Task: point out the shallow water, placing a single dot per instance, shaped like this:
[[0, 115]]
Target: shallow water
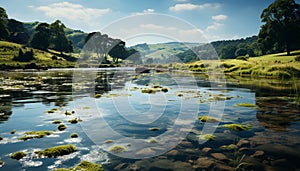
[[125, 115]]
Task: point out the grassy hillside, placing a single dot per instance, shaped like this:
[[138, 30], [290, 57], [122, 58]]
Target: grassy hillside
[[43, 59], [274, 65], [163, 52]]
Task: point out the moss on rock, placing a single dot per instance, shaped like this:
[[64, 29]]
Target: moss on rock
[[57, 151]]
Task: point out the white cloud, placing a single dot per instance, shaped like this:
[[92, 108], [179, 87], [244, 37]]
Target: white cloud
[[219, 17], [181, 0], [190, 7], [214, 26], [72, 12], [149, 10]]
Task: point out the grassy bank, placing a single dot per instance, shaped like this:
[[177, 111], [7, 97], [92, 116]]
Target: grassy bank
[[273, 65], [43, 59]]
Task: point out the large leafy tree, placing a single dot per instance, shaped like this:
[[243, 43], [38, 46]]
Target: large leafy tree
[[4, 33], [280, 31], [18, 33], [58, 39], [41, 36]]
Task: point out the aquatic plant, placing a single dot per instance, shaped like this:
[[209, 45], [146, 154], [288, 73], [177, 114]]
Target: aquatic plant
[[208, 137], [56, 121], [13, 132], [1, 163], [18, 155], [73, 121], [68, 113], [74, 135], [57, 151], [179, 94], [164, 89], [98, 95], [108, 141], [228, 147], [117, 149], [245, 105], [84, 166], [149, 90], [1, 138], [236, 127], [208, 119], [61, 127], [52, 110], [154, 129], [35, 134], [152, 140]]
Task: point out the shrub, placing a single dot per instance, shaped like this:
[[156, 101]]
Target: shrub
[[18, 155], [57, 151]]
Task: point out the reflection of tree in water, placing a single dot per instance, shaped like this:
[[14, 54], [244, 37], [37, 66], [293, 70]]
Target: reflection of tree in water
[[275, 113], [5, 107]]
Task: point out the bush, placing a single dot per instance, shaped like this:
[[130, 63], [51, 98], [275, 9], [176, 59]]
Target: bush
[[244, 58], [24, 57], [18, 155]]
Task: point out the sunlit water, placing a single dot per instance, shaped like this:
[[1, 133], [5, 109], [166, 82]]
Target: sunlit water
[[27, 96]]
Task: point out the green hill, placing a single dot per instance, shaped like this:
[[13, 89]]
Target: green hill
[[42, 59]]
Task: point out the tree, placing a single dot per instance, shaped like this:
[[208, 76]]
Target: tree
[[4, 33], [241, 52], [58, 39], [118, 51], [40, 39], [17, 31], [281, 29]]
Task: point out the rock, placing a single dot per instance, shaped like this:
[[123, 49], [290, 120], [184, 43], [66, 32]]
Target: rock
[[219, 156], [134, 167], [145, 152], [186, 144], [222, 167], [243, 143], [203, 163], [206, 150], [121, 166], [172, 153], [258, 153]]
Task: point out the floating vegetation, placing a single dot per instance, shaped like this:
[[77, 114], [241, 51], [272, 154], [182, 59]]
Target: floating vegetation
[[220, 98], [208, 119], [57, 151], [52, 110], [68, 113], [108, 141], [133, 88], [1, 163], [152, 140], [98, 95], [35, 134], [117, 149], [179, 94], [1, 138], [74, 135], [13, 132], [245, 105], [56, 121], [154, 129], [73, 121], [207, 137], [237, 127], [84, 166], [164, 90], [148, 90], [18, 155], [61, 127]]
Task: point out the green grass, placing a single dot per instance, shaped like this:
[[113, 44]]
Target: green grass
[[84, 166], [35, 134], [43, 59], [117, 149], [18, 155], [245, 105], [57, 151], [273, 65]]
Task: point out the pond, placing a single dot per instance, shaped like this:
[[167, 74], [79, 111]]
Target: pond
[[149, 121]]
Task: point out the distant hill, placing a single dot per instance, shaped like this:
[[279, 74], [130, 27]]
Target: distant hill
[[163, 52]]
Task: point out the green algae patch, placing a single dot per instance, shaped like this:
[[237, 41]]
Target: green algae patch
[[35, 134], [74, 135], [108, 141], [237, 127], [73, 121], [149, 90], [164, 89], [56, 122], [61, 127], [207, 137], [53, 110], [18, 155], [208, 119], [228, 147], [152, 140], [98, 96], [83, 166], [68, 113], [245, 105], [154, 129], [57, 151], [117, 149], [1, 163]]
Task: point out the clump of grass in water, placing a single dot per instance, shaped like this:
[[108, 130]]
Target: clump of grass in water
[[73, 121], [237, 127], [208, 137], [35, 134], [154, 129], [245, 105], [57, 151], [108, 141], [18, 155], [84, 165], [117, 149], [74, 135], [208, 119], [61, 127], [1, 163], [56, 121]]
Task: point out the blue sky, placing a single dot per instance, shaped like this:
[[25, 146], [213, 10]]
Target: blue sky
[[215, 19]]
